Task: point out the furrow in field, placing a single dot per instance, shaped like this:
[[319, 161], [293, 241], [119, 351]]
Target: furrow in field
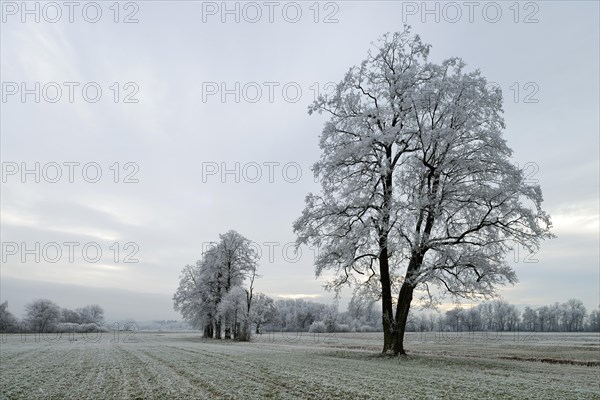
[[217, 377], [299, 374], [169, 380], [167, 366]]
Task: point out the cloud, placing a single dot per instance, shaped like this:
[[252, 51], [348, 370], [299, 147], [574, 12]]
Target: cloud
[[171, 132], [576, 219], [117, 303]]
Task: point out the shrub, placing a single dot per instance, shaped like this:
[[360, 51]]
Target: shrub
[[317, 327], [342, 328]]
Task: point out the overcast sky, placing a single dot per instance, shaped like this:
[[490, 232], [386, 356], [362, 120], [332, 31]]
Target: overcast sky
[[219, 137]]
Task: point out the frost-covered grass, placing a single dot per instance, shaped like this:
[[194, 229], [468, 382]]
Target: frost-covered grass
[[343, 366]]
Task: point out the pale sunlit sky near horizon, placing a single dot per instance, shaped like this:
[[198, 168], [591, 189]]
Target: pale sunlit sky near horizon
[[220, 101]]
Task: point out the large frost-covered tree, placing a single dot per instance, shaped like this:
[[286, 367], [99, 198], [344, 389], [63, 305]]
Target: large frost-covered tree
[[418, 189]]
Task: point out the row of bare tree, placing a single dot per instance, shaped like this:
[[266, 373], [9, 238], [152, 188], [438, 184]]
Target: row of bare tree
[[362, 316], [570, 316], [44, 315]]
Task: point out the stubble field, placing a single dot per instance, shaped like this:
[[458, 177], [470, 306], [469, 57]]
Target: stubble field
[[300, 366]]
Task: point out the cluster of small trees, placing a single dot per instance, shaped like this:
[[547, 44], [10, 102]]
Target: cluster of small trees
[[210, 294], [301, 316], [44, 315], [499, 315], [566, 317]]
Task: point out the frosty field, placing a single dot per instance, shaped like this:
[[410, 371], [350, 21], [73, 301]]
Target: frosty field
[[343, 366]]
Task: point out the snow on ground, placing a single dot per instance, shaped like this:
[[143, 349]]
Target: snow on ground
[[306, 366]]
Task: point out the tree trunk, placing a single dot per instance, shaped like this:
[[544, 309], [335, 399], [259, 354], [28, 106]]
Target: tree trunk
[[236, 326], [389, 328], [257, 328], [227, 329], [207, 331], [244, 331], [218, 329], [404, 300]]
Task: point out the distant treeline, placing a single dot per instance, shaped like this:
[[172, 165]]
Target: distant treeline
[[44, 315], [365, 316], [570, 316], [307, 316]]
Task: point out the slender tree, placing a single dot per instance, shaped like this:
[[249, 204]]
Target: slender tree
[[263, 311], [8, 322], [236, 261]]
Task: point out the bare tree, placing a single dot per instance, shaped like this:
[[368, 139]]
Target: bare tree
[[236, 260], [251, 274], [544, 318], [530, 319], [594, 321], [455, 319], [573, 315], [91, 314], [473, 319], [234, 308], [418, 190], [42, 315], [8, 322], [262, 311], [197, 296], [69, 316]]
